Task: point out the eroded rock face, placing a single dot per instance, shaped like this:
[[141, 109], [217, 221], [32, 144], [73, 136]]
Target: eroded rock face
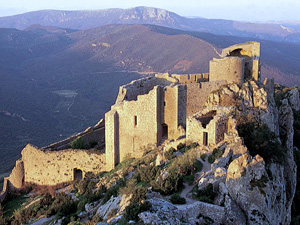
[[249, 98], [294, 99], [261, 195], [286, 121], [162, 212], [112, 204]]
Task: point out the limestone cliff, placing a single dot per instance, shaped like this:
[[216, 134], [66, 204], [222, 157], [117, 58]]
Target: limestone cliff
[[263, 191]]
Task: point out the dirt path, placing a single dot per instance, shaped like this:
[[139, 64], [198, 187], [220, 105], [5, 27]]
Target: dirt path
[[206, 165], [185, 191], [188, 188]]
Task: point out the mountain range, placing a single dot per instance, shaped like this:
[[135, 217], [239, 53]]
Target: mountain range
[[61, 76], [285, 31]]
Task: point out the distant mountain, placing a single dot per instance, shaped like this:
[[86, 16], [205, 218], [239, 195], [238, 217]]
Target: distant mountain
[[56, 81], [82, 20]]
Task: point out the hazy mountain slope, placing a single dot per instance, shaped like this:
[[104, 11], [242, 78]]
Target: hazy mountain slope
[[147, 15], [56, 82]]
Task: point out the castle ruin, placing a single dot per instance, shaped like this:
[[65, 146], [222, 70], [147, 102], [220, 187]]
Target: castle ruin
[[146, 112]]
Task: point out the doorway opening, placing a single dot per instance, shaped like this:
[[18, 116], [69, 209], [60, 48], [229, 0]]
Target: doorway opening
[[165, 130], [205, 138], [77, 174]]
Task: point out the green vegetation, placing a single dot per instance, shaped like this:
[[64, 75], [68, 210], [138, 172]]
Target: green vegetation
[[61, 204], [167, 185], [203, 157], [3, 220], [177, 199], [132, 211], [169, 154], [79, 143], [184, 148], [260, 140], [12, 203], [146, 173], [206, 194], [216, 154]]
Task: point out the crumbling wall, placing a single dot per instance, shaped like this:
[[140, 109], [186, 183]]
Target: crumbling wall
[[250, 49], [54, 167], [16, 178], [4, 192], [139, 123], [213, 129], [129, 92], [96, 133], [198, 93], [171, 110], [112, 139], [188, 78], [230, 69]]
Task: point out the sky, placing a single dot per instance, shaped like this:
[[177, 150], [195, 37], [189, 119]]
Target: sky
[[242, 10]]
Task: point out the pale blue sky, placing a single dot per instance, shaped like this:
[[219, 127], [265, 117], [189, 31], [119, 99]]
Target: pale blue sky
[[250, 10]]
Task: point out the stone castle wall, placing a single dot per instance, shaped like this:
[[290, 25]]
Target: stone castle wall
[[230, 69], [215, 129], [171, 117], [16, 178], [54, 167], [197, 94], [138, 124], [131, 91]]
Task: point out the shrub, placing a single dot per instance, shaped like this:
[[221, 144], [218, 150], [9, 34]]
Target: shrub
[[203, 156], [46, 200], [260, 140], [177, 199], [93, 143], [132, 211], [82, 185], [147, 173], [138, 193], [180, 146], [81, 205], [217, 153], [198, 166], [169, 154], [206, 194], [184, 164], [3, 220], [168, 185], [113, 191], [79, 143]]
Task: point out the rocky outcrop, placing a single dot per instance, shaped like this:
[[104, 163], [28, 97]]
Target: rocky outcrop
[[251, 98], [260, 194], [294, 99], [233, 213], [112, 204], [164, 212], [286, 121]]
